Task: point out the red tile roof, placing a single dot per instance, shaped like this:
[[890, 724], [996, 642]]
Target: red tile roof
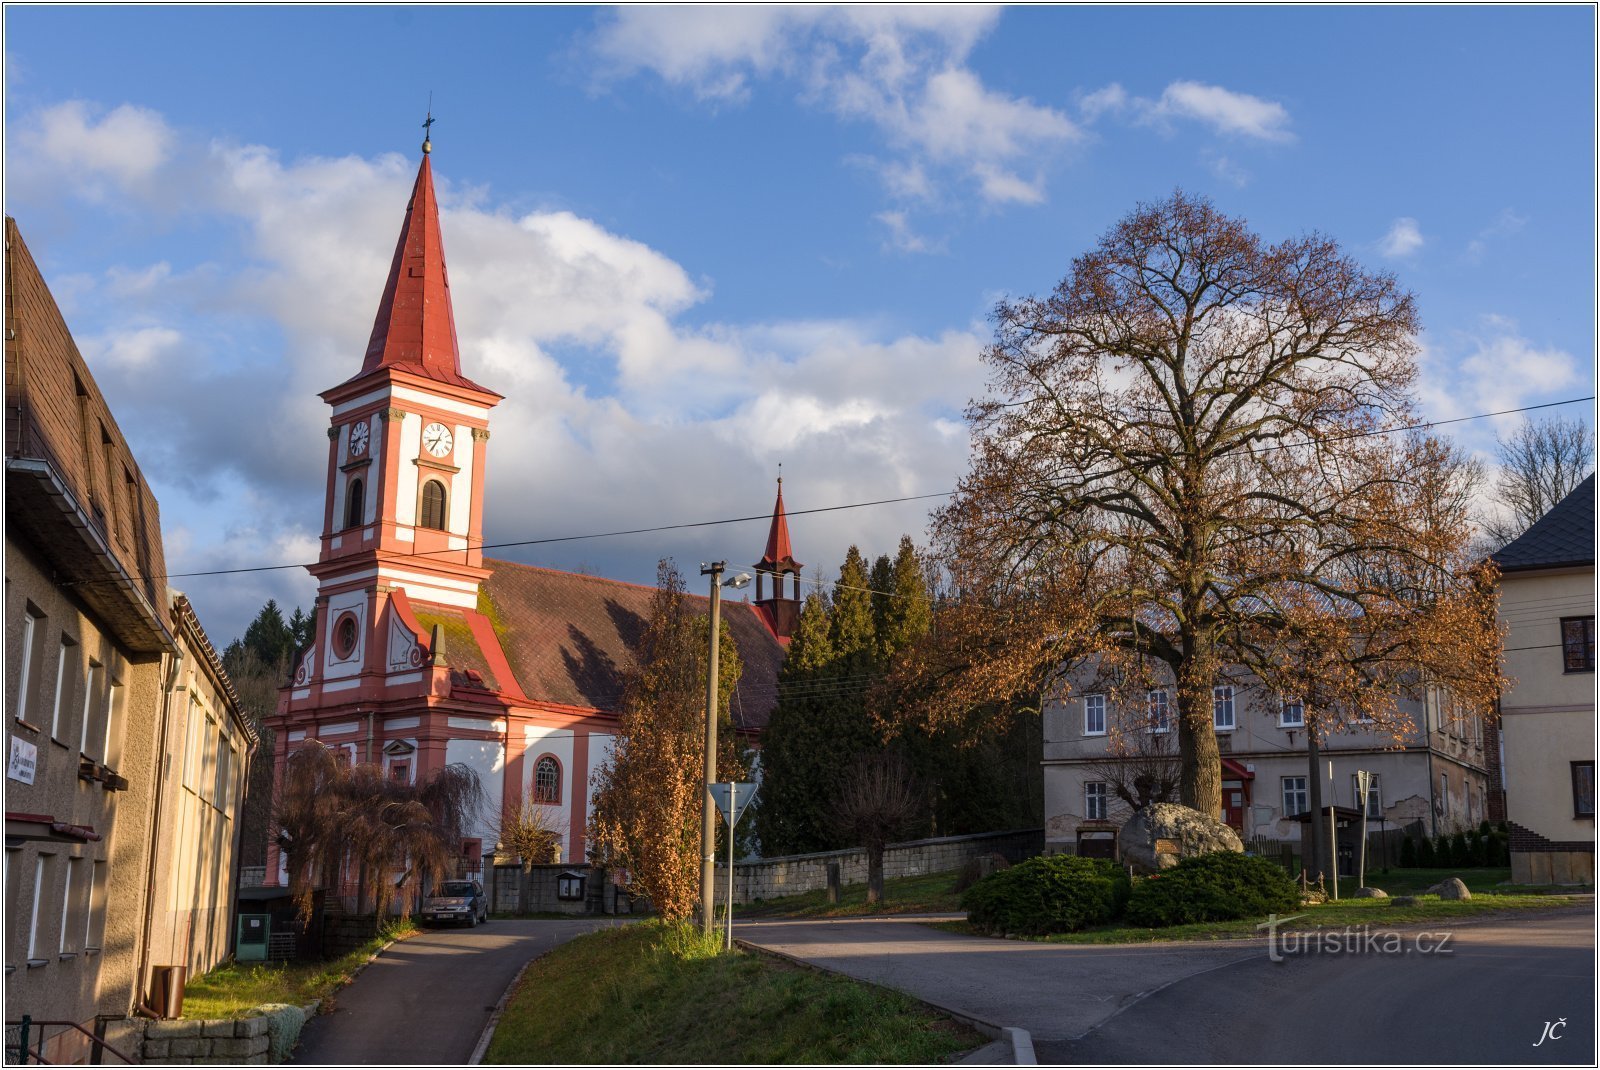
[[570, 638]]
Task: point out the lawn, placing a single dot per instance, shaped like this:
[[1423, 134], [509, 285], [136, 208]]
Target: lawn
[[653, 992], [1332, 915], [232, 990], [1411, 881], [933, 893]]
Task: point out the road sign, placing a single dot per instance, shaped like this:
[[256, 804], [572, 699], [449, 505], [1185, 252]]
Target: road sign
[[731, 799]]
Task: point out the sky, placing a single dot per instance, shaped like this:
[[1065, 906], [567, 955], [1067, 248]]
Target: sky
[[691, 244]]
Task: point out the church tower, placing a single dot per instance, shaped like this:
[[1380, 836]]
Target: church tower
[[781, 613], [406, 453]]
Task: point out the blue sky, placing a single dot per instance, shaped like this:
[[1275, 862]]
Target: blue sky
[[689, 244]]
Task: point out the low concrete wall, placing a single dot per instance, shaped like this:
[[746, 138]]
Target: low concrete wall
[[769, 878], [220, 1042]]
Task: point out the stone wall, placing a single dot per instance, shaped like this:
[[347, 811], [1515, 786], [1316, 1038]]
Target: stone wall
[[769, 878], [343, 933], [218, 1042]]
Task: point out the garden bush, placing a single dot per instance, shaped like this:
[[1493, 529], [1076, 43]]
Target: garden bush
[[1425, 853], [1049, 894], [1220, 886], [1442, 858], [1460, 853], [1408, 853]]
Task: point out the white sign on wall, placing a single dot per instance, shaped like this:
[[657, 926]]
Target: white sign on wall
[[24, 757]]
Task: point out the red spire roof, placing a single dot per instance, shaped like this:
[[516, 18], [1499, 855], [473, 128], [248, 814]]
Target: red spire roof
[[778, 550], [415, 329]]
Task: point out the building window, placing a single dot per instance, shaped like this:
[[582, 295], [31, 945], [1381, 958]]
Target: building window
[[31, 626], [68, 930], [1094, 800], [1159, 711], [1222, 708], [1094, 715], [547, 780], [1374, 795], [344, 636], [355, 504], [33, 915], [1583, 789], [112, 753], [433, 501], [1577, 644], [86, 732], [1291, 713], [400, 772], [1444, 794], [95, 928], [64, 658], [1296, 800]]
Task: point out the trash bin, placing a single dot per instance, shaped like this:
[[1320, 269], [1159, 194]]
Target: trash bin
[[166, 989]]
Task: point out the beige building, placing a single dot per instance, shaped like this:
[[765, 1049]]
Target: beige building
[[1547, 732], [1432, 782], [93, 663]]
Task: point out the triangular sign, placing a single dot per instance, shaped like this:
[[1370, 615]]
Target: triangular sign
[[731, 799]]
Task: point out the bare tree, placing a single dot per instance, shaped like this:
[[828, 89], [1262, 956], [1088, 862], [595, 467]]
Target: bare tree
[[528, 828], [1191, 459], [1541, 462], [878, 801], [1140, 765], [332, 816]]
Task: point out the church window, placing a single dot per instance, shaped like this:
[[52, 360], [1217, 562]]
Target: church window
[[355, 503], [547, 780], [344, 636], [433, 505]]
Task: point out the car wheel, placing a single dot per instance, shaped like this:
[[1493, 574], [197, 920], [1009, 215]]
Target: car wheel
[[472, 921]]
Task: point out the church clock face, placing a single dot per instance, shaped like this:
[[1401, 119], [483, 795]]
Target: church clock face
[[359, 434], [436, 439]]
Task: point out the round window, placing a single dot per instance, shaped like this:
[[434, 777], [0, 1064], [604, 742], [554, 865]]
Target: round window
[[344, 636]]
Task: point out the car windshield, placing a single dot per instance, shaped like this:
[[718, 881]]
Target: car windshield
[[456, 888]]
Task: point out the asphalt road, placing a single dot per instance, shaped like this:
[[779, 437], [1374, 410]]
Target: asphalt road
[[426, 1000], [1488, 1001]]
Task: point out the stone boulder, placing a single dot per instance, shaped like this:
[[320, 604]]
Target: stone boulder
[[1163, 834], [1449, 888], [1371, 893], [1403, 901]]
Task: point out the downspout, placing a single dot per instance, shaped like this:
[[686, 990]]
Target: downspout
[[238, 854], [174, 664], [1427, 741]]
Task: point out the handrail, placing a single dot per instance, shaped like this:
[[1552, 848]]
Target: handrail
[[97, 1041]]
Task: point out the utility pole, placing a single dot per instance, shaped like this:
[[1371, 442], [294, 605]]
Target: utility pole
[[708, 827]]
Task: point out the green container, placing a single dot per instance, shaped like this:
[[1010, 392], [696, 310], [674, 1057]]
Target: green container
[[254, 934]]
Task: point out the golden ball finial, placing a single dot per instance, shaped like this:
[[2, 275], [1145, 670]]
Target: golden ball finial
[[427, 147]]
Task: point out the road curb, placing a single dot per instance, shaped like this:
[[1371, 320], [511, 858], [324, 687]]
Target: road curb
[[480, 1049], [1021, 1040]]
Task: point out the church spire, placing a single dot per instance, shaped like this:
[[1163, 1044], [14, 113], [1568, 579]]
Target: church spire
[[779, 553], [415, 329], [780, 612]]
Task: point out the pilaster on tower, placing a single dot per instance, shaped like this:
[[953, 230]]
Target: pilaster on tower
[[781, 613]]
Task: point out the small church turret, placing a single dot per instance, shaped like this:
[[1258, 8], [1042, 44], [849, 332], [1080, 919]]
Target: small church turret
[[781, 613]]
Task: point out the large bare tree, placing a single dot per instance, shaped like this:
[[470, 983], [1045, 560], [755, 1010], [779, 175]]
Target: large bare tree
[[1184, 467], [1540, 463]]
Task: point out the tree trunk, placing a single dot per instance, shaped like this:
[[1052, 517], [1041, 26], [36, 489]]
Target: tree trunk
[[874, 873], [1199, 760], [1318, 854]]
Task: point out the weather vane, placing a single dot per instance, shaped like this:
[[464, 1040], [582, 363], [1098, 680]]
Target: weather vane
[[427, 126], [780, 473]]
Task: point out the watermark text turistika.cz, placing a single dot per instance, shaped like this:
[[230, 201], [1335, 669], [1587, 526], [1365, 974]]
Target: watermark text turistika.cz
[[1350, 940]]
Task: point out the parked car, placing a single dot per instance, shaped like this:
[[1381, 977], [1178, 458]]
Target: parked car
[[461, 901]]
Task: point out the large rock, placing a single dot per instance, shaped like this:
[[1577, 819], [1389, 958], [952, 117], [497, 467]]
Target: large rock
[[1371, 893], [1162, 834], [1449, 888]]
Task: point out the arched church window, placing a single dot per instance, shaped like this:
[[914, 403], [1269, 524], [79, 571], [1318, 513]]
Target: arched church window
[[547, 780], [433, 505], [355, 502]]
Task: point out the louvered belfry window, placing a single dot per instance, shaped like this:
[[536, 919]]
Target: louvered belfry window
[[433, 505]]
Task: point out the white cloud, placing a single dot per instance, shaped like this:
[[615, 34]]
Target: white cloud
[[616, 406], [1491, 369], [1225, 168], [1507, 223], [1224, 110], [900, 68], [126, 143], [1403, 239], [1110, 100], [902, 238]]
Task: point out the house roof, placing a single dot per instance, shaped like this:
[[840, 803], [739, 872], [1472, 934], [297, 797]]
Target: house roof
[[1562, 538], [571, 638]]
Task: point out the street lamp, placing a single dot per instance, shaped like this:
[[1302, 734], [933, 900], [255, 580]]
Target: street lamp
[[708, 825]]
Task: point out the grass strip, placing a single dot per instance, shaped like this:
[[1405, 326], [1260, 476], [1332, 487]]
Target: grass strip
[[231, 990], [654, 992], [930, 893]]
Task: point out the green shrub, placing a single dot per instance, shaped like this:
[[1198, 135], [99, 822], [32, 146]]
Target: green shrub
[[1408, 853], [1425, 853], [1049, 894], [1441, 851], [1219, 886], [1460, 853]]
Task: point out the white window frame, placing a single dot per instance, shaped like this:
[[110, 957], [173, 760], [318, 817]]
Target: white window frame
[[30, 624], [1092, 797], [33, 921], [95, 926], [1284, 705], [1092, 703], [66, 646], [1220, 702], [1157, 700], [88, 704], [1301, 789], [66, 905], [1444, 794]]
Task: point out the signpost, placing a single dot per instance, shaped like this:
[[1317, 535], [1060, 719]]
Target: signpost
[[1363, 789], [732, 799]]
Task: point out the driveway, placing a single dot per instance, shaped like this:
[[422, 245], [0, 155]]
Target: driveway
[[1226, 1003], [426, 1000]]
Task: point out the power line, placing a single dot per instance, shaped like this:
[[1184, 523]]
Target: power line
[[688, 525]]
